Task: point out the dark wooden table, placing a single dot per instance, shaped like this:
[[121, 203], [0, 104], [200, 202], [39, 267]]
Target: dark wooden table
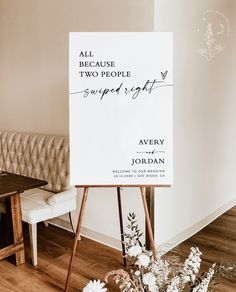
[[11, 185]]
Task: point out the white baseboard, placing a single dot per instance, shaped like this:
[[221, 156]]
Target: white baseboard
[[173, 242], [89, 233]]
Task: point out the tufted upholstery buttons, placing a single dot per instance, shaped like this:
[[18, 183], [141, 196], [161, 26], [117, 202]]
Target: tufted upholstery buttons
[[43, 157]]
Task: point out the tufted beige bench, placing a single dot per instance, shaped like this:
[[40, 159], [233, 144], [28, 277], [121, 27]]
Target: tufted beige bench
[[43, 157]]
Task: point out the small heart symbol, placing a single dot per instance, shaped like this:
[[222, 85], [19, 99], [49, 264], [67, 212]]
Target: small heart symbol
[[163, 75]]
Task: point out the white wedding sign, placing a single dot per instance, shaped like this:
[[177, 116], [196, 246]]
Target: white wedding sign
[[120, 91]]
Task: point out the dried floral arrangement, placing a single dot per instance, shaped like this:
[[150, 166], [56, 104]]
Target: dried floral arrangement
[[166, 274]]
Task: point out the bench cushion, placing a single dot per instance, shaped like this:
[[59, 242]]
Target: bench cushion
[[35, 207]]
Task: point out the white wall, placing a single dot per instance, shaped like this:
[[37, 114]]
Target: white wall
[[34, 75], [34, 54], [204, 128], [204, 122], [34, 86]]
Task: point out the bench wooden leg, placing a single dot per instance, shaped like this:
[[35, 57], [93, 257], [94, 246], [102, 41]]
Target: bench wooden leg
[[33, 243], [45, 222]]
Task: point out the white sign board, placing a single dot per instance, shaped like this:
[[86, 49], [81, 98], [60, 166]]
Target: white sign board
[[120, 108]]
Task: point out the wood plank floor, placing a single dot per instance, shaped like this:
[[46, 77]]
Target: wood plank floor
[[217, 242]]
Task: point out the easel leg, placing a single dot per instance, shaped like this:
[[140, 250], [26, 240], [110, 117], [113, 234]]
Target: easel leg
[[81, 213], [121, 224], [150, 205], [148, 222]]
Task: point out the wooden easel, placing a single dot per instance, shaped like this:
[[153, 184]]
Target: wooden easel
[[81, 213]]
